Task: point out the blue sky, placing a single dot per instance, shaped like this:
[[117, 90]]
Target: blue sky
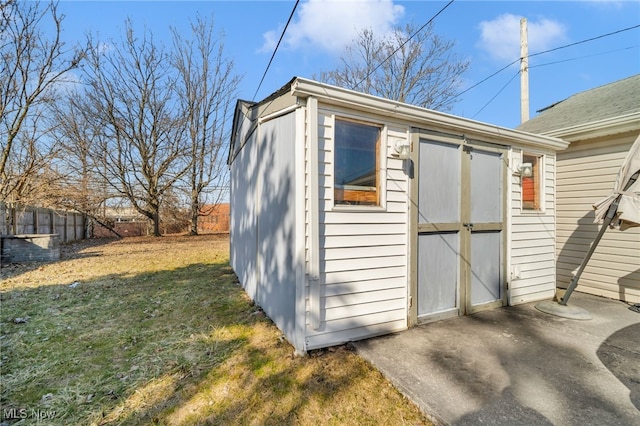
[[485, 32]]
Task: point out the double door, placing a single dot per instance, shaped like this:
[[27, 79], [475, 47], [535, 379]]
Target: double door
[[459, 227]]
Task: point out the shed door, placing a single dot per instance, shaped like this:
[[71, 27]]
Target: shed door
[[460, 246]]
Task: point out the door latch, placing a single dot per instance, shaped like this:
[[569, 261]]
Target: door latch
[[469, 226]]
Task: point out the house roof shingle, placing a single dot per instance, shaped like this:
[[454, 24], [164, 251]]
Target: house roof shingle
[[611, 100]]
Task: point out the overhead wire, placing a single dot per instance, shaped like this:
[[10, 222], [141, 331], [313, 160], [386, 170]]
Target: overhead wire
[[585, 40], [471, 87], [497, 94], [372, 71], [402, 45], [552, 63], [543, 52], [584, 56], [284, 30]]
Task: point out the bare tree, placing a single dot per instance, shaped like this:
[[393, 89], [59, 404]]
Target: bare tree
[[79, 186], [31, 65], [141, 149], [420, 70], [207, 85]]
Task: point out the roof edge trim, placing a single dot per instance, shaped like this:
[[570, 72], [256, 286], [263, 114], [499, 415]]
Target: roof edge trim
[[305, 87], [609, 126]]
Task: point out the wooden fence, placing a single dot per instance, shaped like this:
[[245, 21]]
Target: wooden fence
[[25, 220]]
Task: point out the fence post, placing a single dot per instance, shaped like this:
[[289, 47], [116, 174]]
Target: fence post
[[14, 218], [3, 218], [85, 231], [35, 220]]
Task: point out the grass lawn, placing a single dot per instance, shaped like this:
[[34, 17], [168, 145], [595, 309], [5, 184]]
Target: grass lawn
[[157, 331]]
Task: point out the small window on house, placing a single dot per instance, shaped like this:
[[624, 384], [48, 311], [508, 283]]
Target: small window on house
[[356, 149], [531, 176]]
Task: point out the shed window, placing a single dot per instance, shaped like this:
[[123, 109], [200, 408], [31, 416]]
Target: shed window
[[531, 182], [356, 157]]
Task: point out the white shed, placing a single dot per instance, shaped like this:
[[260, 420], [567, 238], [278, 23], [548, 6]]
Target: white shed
[[354, 216]]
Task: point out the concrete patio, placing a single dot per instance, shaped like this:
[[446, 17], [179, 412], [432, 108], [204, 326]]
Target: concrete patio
[[517, 365]]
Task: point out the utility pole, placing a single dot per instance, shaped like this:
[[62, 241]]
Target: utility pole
[[524, 71]]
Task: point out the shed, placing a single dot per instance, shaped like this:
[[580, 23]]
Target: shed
[[354, 216], [601, 125]]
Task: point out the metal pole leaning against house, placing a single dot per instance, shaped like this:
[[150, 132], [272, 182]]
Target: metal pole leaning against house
[[611, 213]]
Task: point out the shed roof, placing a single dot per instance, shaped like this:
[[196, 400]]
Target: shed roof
[[613, 100], [248, 114]]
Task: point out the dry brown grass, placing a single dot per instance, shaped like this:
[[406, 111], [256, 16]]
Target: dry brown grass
[[144, 330]]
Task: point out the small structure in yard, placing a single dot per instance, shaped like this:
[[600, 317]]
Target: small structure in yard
[[34, 234], [354, 216], [601, 125], [29, 248]]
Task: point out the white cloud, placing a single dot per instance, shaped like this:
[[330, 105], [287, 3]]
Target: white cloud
[[332, 24], [501, 36]]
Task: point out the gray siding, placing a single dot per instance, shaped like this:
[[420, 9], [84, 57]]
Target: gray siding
[[263, 221], [276, 222], [243, 222]]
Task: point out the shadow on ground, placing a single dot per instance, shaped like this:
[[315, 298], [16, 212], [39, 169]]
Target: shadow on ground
[[181, 346], [517, 365]]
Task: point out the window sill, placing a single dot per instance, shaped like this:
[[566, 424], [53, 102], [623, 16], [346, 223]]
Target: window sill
[[361, 209], [532, 212]]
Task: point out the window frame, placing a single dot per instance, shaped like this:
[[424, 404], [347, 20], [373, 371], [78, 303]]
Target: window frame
[[379, 155], [537, 204]]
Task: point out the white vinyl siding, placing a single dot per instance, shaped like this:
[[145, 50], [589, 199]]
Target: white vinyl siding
[[532, 244], [329, 274], [363, 251], [586, 174]]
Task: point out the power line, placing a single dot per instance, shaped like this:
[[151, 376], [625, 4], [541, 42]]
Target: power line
[[276, 49], [584, 56], [485, 79], [543, 52], [585, 41], [496, 95], [551, 63], [402, 45]]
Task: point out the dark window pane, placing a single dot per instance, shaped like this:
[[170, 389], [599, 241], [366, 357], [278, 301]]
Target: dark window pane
[[355, 163]]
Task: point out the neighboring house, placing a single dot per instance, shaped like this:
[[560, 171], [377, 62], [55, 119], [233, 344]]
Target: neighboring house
[[214, 218], [126, 221], [601, 125], [354, 216]]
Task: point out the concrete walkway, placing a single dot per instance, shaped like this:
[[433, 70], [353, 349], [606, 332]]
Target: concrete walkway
[[519, 366]]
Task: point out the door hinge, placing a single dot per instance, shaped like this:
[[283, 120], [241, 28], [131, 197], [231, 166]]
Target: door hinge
[[410, 301]]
